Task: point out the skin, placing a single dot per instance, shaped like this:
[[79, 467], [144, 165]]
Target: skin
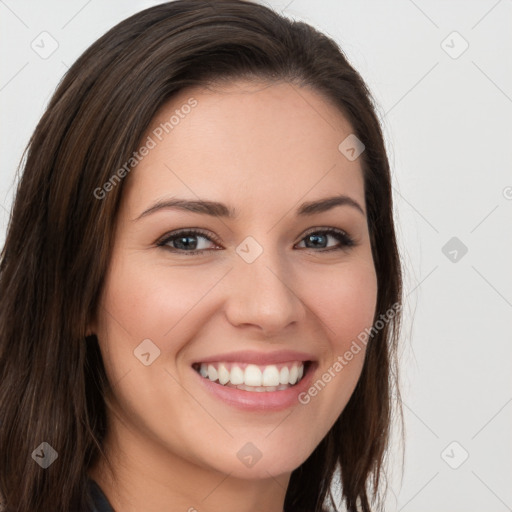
[[263, 149]]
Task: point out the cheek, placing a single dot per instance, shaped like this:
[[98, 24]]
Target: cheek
[[150, 301], [143, 302], [345, 307], [345, 302], [356, 305]]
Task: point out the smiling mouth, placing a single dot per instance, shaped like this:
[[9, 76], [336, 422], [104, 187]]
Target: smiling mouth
[[252, 377]]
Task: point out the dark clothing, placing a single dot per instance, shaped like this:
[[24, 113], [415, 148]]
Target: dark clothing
[[101, 503]]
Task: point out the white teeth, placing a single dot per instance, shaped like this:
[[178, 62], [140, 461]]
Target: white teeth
[[212, 373], [294, 373], [283, 375], [253, 377], [236, 376], [270, 376], [223, 374]]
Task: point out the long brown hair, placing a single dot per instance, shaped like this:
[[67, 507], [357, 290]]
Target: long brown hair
[[60, 237]]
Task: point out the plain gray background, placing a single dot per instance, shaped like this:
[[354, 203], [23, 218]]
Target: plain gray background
[[446, 112]]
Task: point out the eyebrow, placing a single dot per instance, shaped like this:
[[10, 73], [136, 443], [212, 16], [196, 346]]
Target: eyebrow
[[216, 209]]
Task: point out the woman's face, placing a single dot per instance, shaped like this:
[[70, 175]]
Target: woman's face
[[267, 290]]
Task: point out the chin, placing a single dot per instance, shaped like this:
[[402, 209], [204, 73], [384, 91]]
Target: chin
[[250, 463]]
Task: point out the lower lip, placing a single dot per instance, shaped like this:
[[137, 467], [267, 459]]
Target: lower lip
[[264, 401]]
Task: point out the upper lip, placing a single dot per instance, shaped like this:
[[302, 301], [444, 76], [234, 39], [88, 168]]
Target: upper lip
[[261, 358]]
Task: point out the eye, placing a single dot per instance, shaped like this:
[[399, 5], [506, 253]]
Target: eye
[[318, 239], [186, 241]]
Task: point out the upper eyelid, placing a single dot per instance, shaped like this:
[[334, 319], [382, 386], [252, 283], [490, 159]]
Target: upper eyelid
[[324, 228]]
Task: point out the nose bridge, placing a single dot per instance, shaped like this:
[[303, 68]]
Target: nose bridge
[[260, 291]]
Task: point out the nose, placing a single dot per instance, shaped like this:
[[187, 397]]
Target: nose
[[261, 295]]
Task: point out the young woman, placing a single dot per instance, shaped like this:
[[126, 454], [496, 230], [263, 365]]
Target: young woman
[[200, 288]]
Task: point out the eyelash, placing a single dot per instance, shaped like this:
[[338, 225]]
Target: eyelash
[[346, 241]]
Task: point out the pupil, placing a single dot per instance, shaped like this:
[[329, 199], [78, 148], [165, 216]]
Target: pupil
[[192, 245], [315, 239]]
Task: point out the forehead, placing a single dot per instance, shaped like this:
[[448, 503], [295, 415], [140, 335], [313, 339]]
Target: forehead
[[247, 143]]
